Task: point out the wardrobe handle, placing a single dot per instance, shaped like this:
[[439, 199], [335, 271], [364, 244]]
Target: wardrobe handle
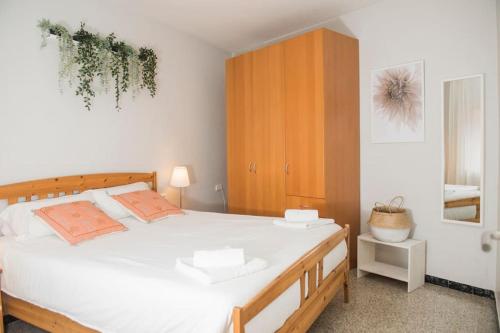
[[286, 168], [250, 167], [254, 167]]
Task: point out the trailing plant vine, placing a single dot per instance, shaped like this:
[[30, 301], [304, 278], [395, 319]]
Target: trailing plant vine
[[89, 57], [148, 59], [88, 60], [67, 50]]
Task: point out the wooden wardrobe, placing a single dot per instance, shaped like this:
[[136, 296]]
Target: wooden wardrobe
[[293, 128]]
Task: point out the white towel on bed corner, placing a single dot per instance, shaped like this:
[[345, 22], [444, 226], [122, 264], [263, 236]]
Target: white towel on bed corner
[[301, 215], [303, 225], [219, 274]]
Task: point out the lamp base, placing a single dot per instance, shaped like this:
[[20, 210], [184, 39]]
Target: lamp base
[[180, 197]]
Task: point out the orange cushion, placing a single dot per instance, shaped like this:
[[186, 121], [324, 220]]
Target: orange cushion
[[147, 205], [78, 221]]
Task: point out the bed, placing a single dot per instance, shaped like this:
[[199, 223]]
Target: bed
[[462, 202], [125, 282]]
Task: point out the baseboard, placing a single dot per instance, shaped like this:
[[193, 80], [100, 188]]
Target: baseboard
[[460, 287]]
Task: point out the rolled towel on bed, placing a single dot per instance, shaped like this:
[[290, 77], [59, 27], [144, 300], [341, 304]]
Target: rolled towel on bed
[[218, 274], [301, 215], [219, 258]]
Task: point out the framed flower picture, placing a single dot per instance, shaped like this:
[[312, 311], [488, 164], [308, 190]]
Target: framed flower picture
[[397, 97]]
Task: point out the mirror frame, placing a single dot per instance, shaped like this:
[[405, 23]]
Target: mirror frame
[[443, 157]]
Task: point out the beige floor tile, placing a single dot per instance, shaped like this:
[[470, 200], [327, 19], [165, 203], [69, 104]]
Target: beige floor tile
[[383, 305]]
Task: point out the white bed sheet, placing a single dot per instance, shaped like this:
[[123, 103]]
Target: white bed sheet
[[126, 282]]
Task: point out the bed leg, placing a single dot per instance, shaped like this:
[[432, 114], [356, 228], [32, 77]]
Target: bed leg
[[346, 285], [346, 273], [238, 326], [346, 292]]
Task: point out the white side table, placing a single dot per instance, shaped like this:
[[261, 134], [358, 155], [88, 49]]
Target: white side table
[[414, 274]]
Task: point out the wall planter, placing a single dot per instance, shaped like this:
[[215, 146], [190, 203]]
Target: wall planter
[[90, 59]]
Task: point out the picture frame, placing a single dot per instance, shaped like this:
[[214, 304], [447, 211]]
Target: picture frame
[[398, 103]]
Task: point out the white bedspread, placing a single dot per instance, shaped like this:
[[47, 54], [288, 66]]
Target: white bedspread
[[126, 282]]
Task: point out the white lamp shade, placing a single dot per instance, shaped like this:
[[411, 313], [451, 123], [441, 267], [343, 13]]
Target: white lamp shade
[[180, 177]]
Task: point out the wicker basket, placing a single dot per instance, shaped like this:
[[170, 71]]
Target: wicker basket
[[390, 223]]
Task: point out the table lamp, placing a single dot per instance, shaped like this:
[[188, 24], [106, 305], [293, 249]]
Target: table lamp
[[180, 179]]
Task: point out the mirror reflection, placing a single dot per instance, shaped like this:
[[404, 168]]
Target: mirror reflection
[[463, 146]]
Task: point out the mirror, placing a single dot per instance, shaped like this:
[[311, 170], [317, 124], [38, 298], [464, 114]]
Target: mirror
[[463, 150]]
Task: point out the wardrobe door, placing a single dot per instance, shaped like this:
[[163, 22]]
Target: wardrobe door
[[239, 134], [269, 130], [304, 102]]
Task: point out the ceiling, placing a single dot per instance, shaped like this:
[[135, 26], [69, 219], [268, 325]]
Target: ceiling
[[235, 25]]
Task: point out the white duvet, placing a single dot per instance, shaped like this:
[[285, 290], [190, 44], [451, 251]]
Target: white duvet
[[127, 282]]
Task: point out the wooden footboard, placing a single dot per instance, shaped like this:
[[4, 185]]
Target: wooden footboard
[[308, 269]]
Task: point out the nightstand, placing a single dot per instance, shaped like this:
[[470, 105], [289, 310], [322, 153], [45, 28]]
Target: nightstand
[[413, 274]]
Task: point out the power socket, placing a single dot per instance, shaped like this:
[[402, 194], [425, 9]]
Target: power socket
[[218, 187]]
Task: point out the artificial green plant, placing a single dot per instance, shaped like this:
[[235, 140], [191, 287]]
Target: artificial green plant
[[91, 57]]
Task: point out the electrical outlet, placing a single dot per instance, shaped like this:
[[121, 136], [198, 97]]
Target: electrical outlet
[[218, 187]]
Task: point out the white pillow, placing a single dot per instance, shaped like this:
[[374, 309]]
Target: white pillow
[[139, 186], [109, 205], [36, 228], [112, 207], [5, 228], [19, 220]]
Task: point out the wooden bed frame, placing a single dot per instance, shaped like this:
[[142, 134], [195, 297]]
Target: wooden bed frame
[[308, 270]]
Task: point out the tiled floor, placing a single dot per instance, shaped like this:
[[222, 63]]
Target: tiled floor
[[380, 304], [383, 305]]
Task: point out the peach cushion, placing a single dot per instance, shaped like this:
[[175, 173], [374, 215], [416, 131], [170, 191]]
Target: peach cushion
[[147, 205], [78, 221]]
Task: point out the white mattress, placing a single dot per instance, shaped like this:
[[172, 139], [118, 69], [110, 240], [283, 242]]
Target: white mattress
[[126, 282]]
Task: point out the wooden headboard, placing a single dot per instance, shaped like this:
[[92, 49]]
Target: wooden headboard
[[66, 185]]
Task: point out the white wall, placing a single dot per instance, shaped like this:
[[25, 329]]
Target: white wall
[[455, 38], [44, 133]]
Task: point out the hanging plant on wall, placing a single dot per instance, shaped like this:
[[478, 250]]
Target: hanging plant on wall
[[96, 60]]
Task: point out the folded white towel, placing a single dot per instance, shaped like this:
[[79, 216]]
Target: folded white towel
[[214, 275], [301, 215], [219, 258], [303, 225]]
